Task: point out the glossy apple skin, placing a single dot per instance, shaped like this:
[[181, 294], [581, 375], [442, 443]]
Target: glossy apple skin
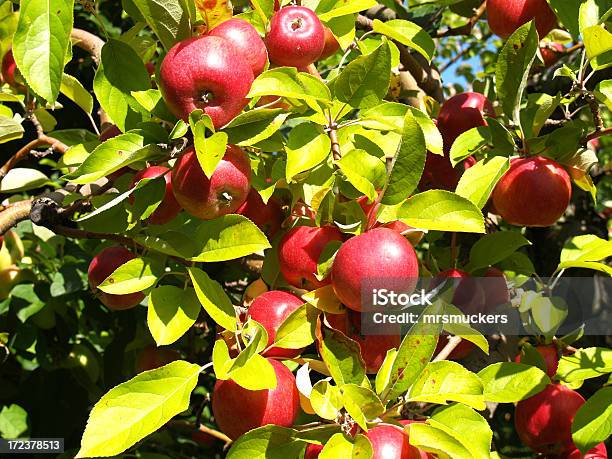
[[551, 53], [208, 68], [268, 217], [370, 210], [389, 441], [222, 194], [534, 192], [544, 421], [331, 46], [238, 410], [380, 253], [153, 357], [102, 266], [461, 113], [9, 67], [296, 37], [246, 39], [599, 452], [169, 208], [495, 288], [271, 309], [299, 252], [313, 451], [505, 16], [469, 296], [373, 347], [550, 354]]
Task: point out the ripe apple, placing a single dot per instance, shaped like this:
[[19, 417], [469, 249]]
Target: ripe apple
[[505, 16], [222, 194], [534, 192], [169, 208], [380, 253], [468, 295], [599, 452], [495, 288], [238, 410], [551, 53], [370, 210], [299, 252], [313, 451], [389, 441], [550, 354], [461, 113], [270, 310], [246, 39], [296, 37], [207, 73], [331, 44], [10, 72], [373, 347], [268, 217], [544, 421], [152, 357], [102, 266], [439, 174]]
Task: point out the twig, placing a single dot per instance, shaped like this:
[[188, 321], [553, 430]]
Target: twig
[[88, 42], [448, 349], [25, 151], [465, 29], [597, 134], [15, 213]]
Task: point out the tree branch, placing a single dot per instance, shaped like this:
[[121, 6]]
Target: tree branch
[[14, 214], [465, 29], [448, 349], [26, 150], [598, 134]]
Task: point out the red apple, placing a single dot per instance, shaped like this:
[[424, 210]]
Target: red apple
[[389, 441], [268, 217], [152, 357], [246, 39], [9, 70], [550, 354], [313, 451], [370, 210], [439, 174], [505, 16], [544, 421], [599, 452], [380, 253], [225, 191], [551, 53], [331, 44], [299, 252], [468, 295], [461, 113], [204, 439], [238, 410], [102, 266], [295, 38], [169, 208], [373, 347], [207, 73], [495, 288], [270, 310], [534, 192]]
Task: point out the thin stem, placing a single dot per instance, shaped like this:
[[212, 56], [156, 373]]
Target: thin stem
[[448, 349]]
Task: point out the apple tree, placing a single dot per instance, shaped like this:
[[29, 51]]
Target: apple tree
[[198, 197]]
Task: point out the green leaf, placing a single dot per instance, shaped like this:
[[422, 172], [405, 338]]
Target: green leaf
[[209, 150], [269, 442], [41, 42], [227, 238], [147, 198], [213, 298], [172, 311], [598, 45], [466, 426], [495, 247], [439, 210], [591, 424], [74, 90], [509, 382], [513, 66], [586, 265], [339, 446], [167, 18], [298, 330], [568, 12], [464, 331], [255, 336], [120, 73], [288, 82], [134, 409], [587, 247], [254, 126], [111, 156], [365, 81], [437, 441], [10, 129], [444, 381], [364, 171], [326, 400], [408, 163], [22, 179], [342, 8], [361, 403], [469, 143], [307, 146], [538, 110], [342, 356], [134, 276], [409, 34], [586, 363], [13, 421]]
